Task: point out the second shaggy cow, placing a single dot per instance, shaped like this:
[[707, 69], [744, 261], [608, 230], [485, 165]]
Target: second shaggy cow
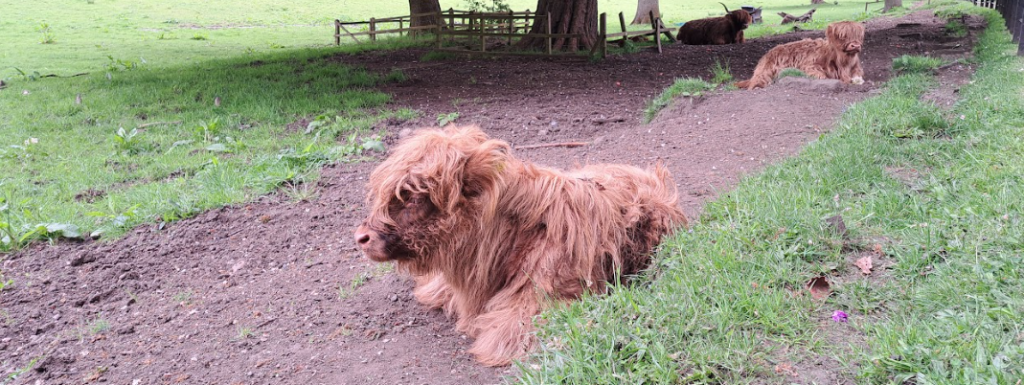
[[726, 29]]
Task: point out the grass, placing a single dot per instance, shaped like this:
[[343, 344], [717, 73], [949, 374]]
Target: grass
[[916, 64], [941, 212], [145, 143], [682, 87]]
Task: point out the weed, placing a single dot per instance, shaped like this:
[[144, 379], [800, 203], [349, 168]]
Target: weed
[[4, 284], [199, 36], [446, 119], [916, 64], [20, 371], [183, 298], [127, 142], [207, 132], [114, 65], [245, 332], [99, 325], [721, 73], [48, 37]]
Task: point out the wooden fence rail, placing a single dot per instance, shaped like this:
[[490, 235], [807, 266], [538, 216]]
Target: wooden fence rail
[[479, 27]]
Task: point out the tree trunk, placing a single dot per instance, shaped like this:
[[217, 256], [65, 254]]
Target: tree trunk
[[643, 12], [890, 4], [567, 17], [424, 6]]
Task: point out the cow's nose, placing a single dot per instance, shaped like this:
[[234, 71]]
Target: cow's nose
[[362, 238]]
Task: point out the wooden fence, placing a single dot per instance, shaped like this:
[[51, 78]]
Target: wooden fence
[[451, 20], [481, 28], [985, 3]]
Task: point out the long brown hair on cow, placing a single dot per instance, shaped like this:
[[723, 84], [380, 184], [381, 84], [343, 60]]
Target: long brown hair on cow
[[835, 57], [726, 29], [491, 239]]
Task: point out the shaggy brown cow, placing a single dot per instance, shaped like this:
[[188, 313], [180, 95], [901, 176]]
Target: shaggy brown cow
[[832, 58], [491, 239], [726, 29]]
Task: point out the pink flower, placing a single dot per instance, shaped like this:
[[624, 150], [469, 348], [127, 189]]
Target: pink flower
[[839, 316]]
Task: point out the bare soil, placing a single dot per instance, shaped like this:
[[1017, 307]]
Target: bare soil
[[274, 291]]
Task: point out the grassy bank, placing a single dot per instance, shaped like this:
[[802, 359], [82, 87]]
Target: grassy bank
[[105, 152], [933, 197]]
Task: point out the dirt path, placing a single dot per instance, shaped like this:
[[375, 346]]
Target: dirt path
[[275, 292]]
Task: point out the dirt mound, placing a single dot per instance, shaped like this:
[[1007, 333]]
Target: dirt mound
[[274, 291]]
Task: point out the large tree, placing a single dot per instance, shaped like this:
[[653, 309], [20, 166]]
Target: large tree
[[578, 17], [644, 8], [890, 4], [424, 6]]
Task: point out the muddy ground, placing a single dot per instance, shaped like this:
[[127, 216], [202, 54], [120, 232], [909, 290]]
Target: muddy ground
[[274, 291]]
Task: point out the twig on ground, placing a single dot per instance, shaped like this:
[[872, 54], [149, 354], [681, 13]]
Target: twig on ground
[[545, 145], [144, 125]]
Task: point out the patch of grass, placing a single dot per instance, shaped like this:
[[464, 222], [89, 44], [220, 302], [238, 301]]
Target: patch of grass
[[446, 119], [5, 283], [725, 302], [245, 332], [183, 297], [721, 73], [378, 270], [793, 72], [682, 87], [916, 64], [99, 325]]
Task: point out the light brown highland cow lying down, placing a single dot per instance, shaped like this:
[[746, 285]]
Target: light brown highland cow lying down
[[834, 57], [490, 238]]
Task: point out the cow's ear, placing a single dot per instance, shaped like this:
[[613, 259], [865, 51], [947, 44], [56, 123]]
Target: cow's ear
[[484, 168]]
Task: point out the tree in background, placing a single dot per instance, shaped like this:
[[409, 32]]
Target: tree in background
[[644, 8], [577, 17], [890, 4], [424, 6]]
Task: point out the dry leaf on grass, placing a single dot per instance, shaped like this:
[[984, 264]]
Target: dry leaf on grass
[[865, 265], [819, 287]]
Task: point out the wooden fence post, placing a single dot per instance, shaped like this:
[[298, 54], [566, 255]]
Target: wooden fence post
[[437, 29], [337, 32], [603, 40], [511, 25], [526, 23], [373, 29], [400, 25], [548, 32], [656, 23], [483, 34], [622, 23], [451, 18]]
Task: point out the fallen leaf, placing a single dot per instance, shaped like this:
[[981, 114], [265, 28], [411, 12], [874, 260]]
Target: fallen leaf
[[864, 263], [819, 287]]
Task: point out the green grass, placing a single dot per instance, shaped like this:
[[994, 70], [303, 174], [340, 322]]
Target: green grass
[[682, 87], [916, 64], [943, 210], [164, 143]]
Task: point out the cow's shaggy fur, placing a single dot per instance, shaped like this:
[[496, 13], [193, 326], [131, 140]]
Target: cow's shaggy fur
[[491, 239], [835, 57], [726, 29]]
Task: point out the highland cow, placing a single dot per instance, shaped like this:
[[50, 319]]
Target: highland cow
[[492, 239], [726, 29], [835, 57]]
